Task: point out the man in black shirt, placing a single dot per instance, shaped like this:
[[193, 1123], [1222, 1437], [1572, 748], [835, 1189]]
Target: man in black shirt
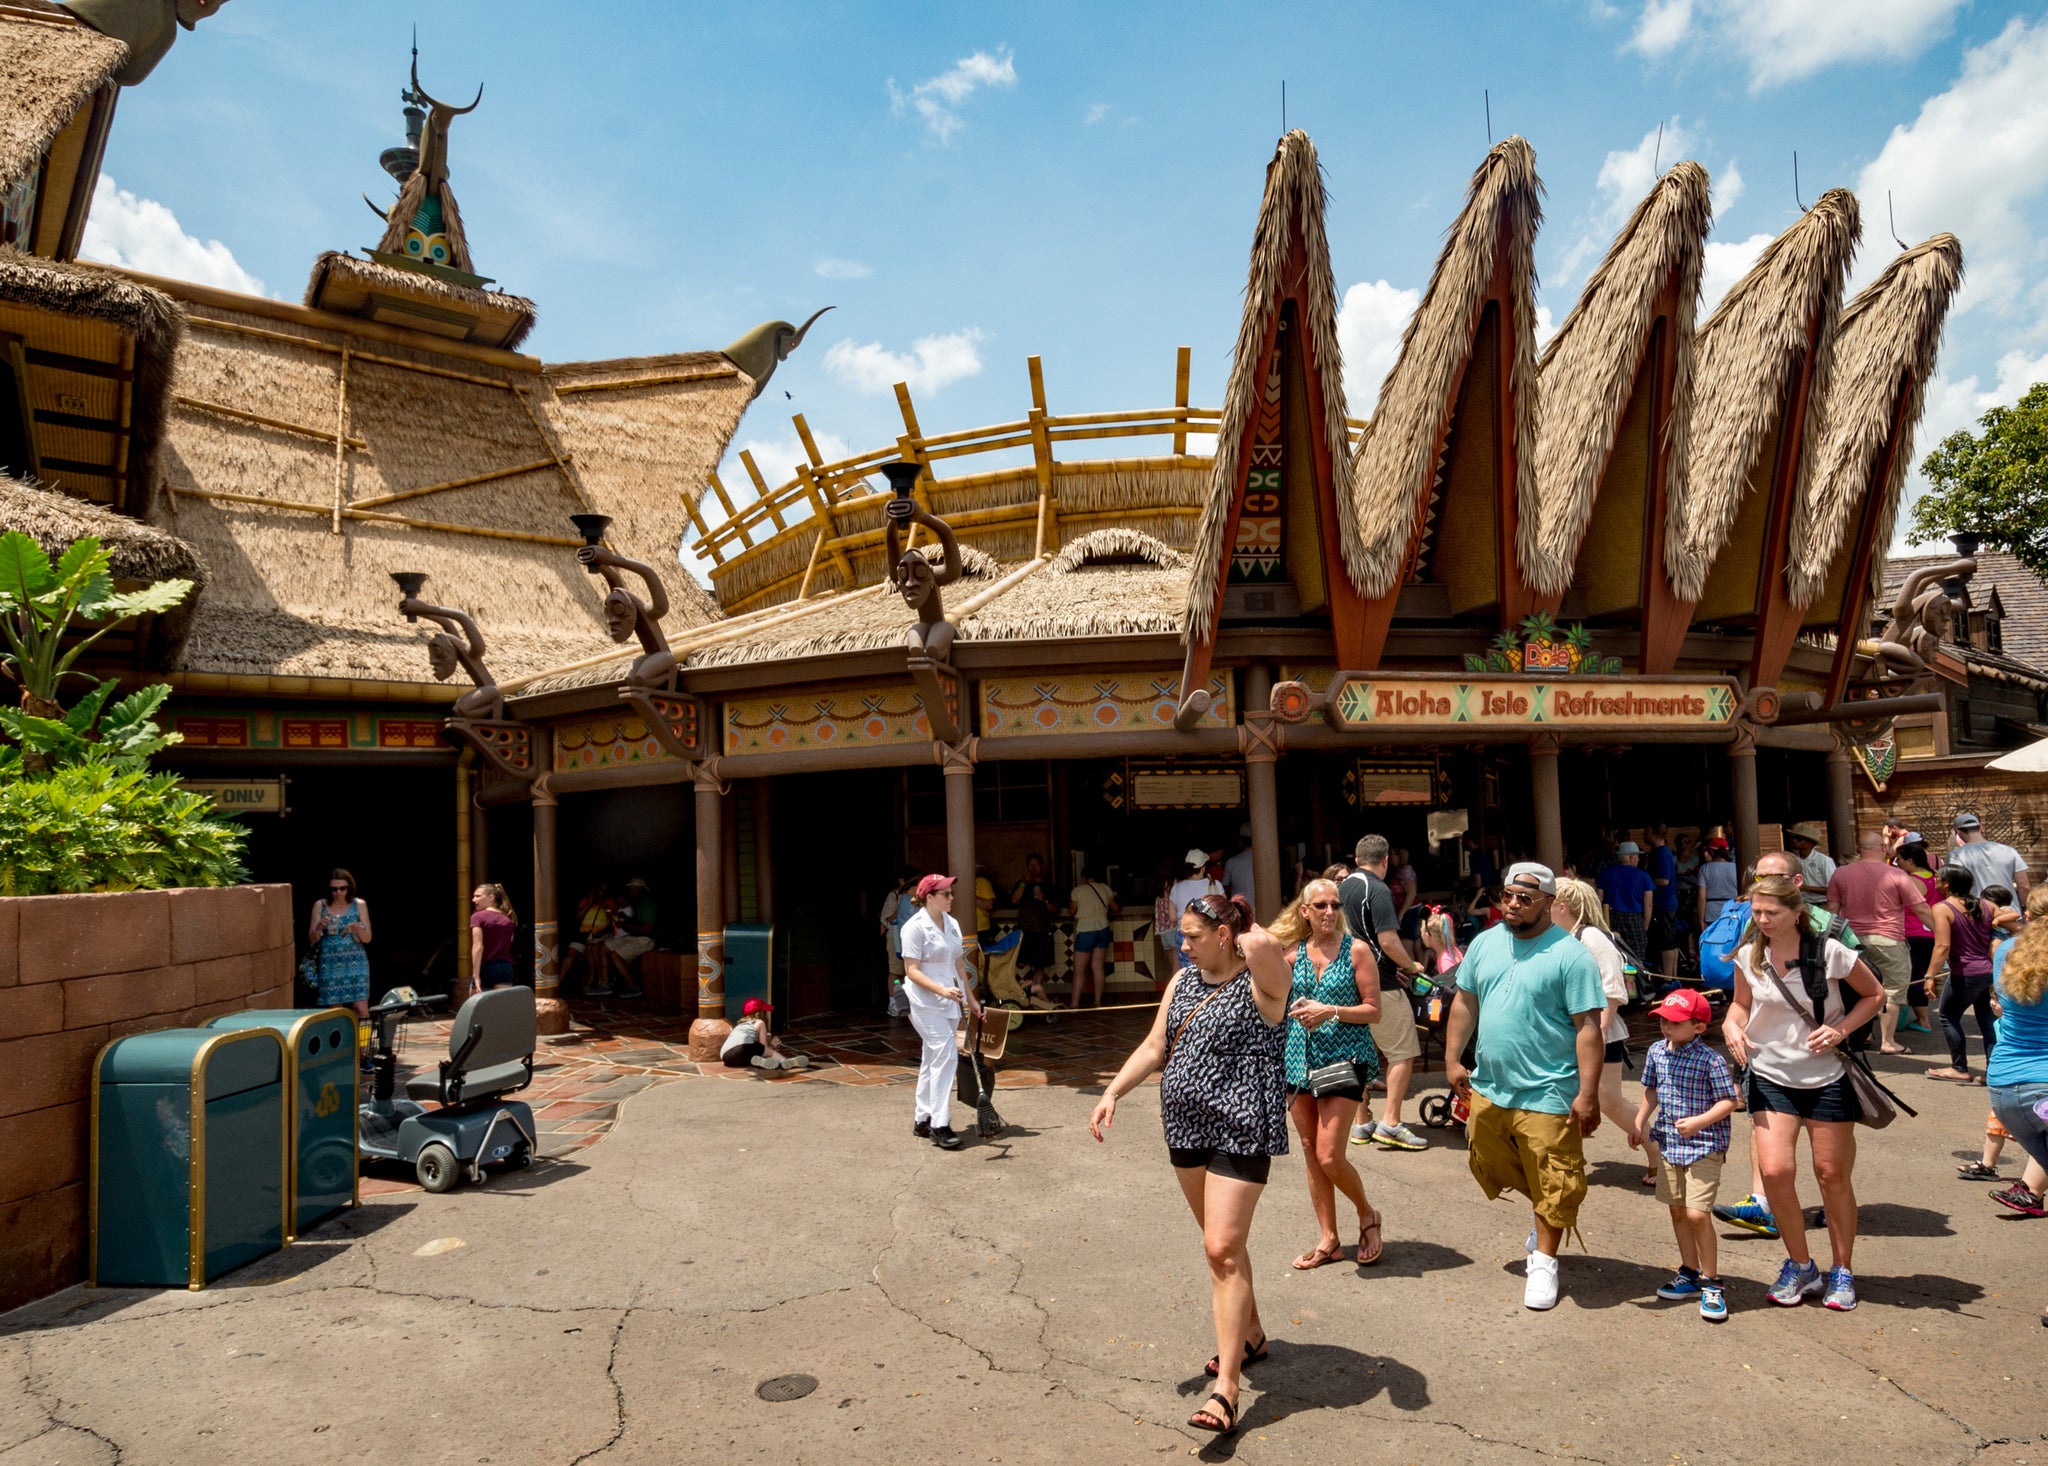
[[1033, 905], [1369, 912]]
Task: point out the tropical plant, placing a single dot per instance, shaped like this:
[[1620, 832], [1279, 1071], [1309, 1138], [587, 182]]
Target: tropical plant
[[107, 824], [1994, 483], [39, 602], [1505, 655]]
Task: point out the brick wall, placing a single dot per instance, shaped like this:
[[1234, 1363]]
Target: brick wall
[[75, 972]]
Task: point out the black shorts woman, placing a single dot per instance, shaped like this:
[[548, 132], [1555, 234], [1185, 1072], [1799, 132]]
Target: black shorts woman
[[1216, 1038], [1334, 996], [1797, 1080]]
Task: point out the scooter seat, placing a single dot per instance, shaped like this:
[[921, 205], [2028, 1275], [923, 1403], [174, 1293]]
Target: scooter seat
[[490, 1050]]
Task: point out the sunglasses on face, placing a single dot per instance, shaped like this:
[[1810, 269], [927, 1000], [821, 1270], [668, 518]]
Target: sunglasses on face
[[1326, 906], [337, 888], [1520, 898]]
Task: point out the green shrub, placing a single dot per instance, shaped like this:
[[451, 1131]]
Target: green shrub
[[108, 824]]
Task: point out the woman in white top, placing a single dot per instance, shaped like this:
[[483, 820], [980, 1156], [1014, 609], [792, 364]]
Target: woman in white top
[[1091, 904], [1579, 911], [933, 982], [1797, 1081], [1191, 887]]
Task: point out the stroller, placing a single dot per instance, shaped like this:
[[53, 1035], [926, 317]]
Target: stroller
[[999, 977]]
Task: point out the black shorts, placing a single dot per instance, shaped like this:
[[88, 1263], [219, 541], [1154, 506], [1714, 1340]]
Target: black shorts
[[1834, 1102], [1035, 951], [1252, 1168], [498, 973], [742, 1056], [1354, 1092], [1617, 1051]]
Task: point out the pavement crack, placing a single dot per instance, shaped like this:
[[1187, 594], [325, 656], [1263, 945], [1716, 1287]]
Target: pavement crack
[[611, 1376], [52, 1404], [1976, 1436]]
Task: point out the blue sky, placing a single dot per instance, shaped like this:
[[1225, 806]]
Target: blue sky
[[973, 184]]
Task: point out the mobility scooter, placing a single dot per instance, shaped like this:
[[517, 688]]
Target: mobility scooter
[[471, 1125]]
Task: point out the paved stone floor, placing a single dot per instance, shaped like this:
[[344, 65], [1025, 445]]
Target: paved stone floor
[[1034, 1298]]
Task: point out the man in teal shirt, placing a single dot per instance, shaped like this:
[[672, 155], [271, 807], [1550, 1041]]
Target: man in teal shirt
[[1533, 995]]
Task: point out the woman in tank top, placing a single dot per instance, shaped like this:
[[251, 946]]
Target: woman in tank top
[[1962, 947], [1216, 1045]]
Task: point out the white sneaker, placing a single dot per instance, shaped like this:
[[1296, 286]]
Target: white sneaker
[[767, 1061], [796, 1061], [1540, 1292]]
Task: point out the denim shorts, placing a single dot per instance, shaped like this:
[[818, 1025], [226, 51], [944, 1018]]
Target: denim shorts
[[2018, 1108], [1097, 941], [1833, 1102]]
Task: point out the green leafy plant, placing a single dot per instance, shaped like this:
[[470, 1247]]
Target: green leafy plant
[[1993, 483], [127, 730], [1539, 626], [107, 824]]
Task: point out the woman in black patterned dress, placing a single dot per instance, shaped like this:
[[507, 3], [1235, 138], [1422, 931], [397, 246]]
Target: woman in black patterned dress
[[1223, 1100]]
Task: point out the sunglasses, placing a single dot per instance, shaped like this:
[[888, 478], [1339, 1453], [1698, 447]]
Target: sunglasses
[[1326, 905], [337, 888], [1521, 898]]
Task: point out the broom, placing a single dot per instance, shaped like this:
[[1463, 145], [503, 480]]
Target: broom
[[985, 1117]]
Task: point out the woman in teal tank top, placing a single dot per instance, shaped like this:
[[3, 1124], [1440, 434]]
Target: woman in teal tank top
[[1334, 998]]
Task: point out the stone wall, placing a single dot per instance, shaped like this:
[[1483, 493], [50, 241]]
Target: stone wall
[[75, 972]]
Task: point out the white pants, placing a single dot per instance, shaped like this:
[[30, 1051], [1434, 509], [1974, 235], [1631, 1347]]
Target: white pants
[[937, 1064]]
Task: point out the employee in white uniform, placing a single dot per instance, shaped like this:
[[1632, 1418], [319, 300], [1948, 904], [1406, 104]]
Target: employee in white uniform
[[936, 987]]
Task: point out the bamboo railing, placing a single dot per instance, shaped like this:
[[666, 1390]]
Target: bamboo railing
[[808, 505]]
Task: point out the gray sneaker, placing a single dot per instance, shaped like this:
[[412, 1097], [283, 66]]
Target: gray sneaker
[[1796, 1283], [1841, 1293], [1361, 1134], [1399, 1137]]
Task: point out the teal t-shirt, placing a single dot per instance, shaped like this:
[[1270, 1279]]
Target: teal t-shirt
[[1528, 992]]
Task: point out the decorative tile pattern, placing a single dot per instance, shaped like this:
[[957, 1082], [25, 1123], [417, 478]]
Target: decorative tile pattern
[[857, 717], [614, 740], [1117, 702]]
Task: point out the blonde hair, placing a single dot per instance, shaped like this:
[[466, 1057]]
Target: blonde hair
[[2025, 978], [1583, 902], [1786, 892], [1292, 924]]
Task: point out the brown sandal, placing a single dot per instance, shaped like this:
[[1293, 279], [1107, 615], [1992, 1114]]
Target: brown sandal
[[1379, 1247], [1308, 1262], [1210, 1420]]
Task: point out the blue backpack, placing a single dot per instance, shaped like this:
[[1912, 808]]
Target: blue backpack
[[1718, 943]]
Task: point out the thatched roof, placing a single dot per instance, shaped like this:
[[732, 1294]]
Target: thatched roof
[[341, 282], [148, 318], [1117, 544], [292, 597], [1885, 345], [49, 68], [1290, 212], [1746, 355], [1397, 459], [138, 553], [1591, 365]]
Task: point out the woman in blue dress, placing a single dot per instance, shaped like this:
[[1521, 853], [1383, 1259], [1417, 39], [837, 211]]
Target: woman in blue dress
[[1335, 995], [337, 933]]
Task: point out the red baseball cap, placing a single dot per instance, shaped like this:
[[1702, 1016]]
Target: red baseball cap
[[933, 883], [1684, 1005], [755, 1005]]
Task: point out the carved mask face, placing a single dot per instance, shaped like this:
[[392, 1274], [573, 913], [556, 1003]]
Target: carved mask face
[[441, 656], [621, 612], [915, 581], [431, 248]]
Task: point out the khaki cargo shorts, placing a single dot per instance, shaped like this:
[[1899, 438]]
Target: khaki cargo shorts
[[1394, 1035], [1541, 1156], [1696, 1187], [1892, 963]]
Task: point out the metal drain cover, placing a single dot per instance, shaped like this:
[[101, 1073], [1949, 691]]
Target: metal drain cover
[[785, 1387]]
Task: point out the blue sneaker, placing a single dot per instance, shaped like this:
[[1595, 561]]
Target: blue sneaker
[[1713, 1300], [1750, 1214], [1796, 1283], [1841, 1294], [1685, 1284]]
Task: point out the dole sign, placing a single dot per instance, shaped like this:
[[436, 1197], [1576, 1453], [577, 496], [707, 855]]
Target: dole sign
[[1364, 701]]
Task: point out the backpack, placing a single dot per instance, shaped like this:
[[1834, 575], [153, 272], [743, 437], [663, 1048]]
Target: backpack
[[1730, 930], [1813, 973]]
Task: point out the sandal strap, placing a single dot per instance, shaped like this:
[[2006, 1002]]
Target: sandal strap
[[1229, 1412]]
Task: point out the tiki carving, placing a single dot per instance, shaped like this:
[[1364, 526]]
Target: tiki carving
[[929, 644], [459, 644], [1923, 616], [626, 615]]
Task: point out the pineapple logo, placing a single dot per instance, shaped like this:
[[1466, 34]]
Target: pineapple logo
[[329, 1101]]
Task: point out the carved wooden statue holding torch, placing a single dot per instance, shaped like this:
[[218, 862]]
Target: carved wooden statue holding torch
[[625, 614], [916, 579], [459, 643]]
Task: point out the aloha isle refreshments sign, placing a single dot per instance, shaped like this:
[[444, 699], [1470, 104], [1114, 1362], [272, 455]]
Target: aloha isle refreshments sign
[[1364, 702]]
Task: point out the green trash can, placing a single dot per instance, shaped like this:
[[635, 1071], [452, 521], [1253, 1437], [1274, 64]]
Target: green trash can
[[188, 1166], [320, 1077]]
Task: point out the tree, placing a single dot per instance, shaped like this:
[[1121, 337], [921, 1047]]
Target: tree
[[1993, 483]]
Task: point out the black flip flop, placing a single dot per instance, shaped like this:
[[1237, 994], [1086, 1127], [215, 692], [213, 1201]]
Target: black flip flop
[[1251, 1356]]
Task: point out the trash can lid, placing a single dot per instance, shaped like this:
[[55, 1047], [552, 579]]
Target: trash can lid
[[233, 1061]]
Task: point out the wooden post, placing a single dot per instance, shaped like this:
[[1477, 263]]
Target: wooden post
[[340, 439], [956, 763], [1742, 793], [465, 867], [764, 850], [1182, 362], [1841, 802], [710, 1029], [1259, 737], [551, 1013], [1543, 786], [479, 838]]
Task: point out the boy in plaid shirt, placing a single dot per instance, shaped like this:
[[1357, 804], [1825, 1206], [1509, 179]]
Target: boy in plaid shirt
[[1692, 1092]]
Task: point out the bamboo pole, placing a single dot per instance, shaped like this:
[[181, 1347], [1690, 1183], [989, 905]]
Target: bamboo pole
[[292, 339], [340, 438], [489, 476], [761, 488], [715, 374], [356, 512], [1182, 369], [803, 592], [830, 530], [1041, 459], [221, 409], [981, 598]]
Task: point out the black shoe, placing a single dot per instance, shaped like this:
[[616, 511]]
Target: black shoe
[[947, 1139], [922, 1130]]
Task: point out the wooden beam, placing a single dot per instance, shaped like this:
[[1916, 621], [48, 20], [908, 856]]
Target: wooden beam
[[340, 437], [1856, 586], [828, 526], [1778, 620], [666, 379], [761, 488], [76, 420], [295, 506], [221, 409], [803, 592], [489, 476], [1182, 370], [236, 328], [1517, 600], [1048, 531], [84, 366], [1665, 618]]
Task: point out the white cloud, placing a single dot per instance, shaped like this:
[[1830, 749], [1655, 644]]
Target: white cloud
[[141, 234], [937, 100], [933, 362], [1727, 262], [1097, 112], [1546, 326], [1973, 156], [1783, 40], [1727, 188], [1370, 321], [833, 269], [1625, 176], [777, 458]]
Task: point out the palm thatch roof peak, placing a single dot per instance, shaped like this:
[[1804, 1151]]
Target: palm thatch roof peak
[[1291, 213], [1786, 306], [50, 65], [1397, 457], [1885, 346], [1590, 366]]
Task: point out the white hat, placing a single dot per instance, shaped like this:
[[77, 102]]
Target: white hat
[[1198, 857], [1628, 847]]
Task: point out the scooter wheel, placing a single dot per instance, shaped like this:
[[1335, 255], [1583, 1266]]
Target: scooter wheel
[[437, 1168], [1436, 1111], [522, 1158]]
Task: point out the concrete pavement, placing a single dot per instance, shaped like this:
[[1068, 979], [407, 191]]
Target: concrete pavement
[[1035, 1298]]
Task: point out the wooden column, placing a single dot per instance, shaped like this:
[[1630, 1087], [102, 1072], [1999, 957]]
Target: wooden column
[[1841, 803], [1742, 792], [1543, 787], [479, 836], [1259, 737], [550, 1011], [956, 764], [764, 851], [466, 879], [729, 851], [710, 1029]]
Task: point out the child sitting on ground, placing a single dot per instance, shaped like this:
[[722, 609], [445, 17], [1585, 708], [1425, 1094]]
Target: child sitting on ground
[[750, 1042], [1692, 1092]]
